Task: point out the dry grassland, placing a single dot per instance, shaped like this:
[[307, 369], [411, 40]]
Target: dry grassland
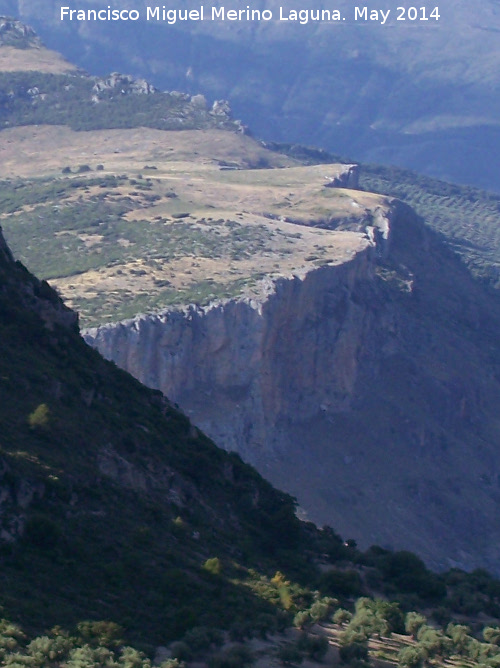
[[34, 59], [201, 222]]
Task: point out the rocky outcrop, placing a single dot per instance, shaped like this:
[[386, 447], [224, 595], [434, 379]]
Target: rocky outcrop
[[15, 33], [229, 363], [349, 178], [121, 84]]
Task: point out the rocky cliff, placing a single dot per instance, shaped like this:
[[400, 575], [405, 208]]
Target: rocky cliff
[[229, 363], [368, 389]]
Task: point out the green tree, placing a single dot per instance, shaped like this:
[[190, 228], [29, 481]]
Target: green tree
[[434, 643], [413, 622], [412, 656], [353, 649], [492, 634], [342, 616], [459, 634]]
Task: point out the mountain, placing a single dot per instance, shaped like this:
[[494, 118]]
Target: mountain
[[420, 92], [120, 521]]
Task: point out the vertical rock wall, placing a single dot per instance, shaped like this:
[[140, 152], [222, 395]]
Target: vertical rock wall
[[242, 367]]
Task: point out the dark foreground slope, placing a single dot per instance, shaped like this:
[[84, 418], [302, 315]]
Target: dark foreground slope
[[110, 500]]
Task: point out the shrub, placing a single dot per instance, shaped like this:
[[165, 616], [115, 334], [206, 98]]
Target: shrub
[[413, 622], [367, 623], [342, 616], [411, 657], [171, 663], [132, 658], [48, 649], [322, 609], [391, 613], [302, 619], [213, 566], [101, 633], [355, 650], [434, 643], [40, 417], [459, 634], [492, 634]]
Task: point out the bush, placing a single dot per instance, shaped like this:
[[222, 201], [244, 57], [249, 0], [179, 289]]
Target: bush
[[492, 634], [411, 657], [434, 643], [413, 622], [322, 609], [391, 613], [40, 417], [101, 633], [459, 634], [50, 649], [302, 619], [353, 651], [342, 616], [213, 566]]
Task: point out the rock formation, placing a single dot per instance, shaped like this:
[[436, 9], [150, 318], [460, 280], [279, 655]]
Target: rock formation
[[368, 389]]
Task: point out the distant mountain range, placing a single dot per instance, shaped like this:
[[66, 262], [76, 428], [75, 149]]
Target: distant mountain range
[[423, 94]]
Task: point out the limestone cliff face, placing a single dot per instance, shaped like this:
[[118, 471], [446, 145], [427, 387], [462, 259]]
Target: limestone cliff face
[[369, 389], [241, 367]]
